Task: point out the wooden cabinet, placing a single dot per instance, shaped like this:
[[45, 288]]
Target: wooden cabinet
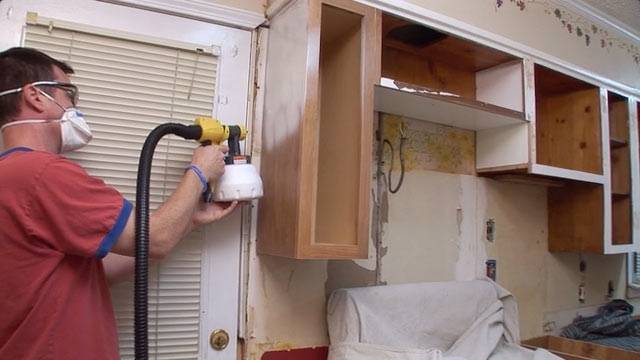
[[564, 138], [527, 118], [332, 63], [532, 124], [599, 218], [433, 76], [577, 217], [568, 128], [322, 62]]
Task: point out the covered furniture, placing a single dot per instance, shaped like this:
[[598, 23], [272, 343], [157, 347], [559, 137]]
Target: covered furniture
[[470, 320]]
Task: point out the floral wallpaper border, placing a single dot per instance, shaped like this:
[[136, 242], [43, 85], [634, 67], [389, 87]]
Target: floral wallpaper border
[[577, 25]]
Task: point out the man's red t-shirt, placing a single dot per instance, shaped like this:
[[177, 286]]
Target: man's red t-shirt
[[56, 224]]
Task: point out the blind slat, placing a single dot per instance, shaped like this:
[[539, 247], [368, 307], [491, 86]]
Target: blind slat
[[636, 269]]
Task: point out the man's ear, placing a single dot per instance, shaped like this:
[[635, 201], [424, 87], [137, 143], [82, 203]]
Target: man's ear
[[33, 99]]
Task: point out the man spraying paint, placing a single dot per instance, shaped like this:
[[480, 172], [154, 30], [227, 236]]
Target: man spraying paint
[[65, 235]]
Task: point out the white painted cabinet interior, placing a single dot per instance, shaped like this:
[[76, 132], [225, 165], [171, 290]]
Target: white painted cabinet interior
[[134, 75]]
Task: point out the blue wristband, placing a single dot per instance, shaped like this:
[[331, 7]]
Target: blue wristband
[[200, 174]]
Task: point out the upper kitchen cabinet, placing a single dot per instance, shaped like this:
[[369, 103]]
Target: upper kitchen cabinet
[[568, 127], [321, 66], [564, 140], [599, 218]]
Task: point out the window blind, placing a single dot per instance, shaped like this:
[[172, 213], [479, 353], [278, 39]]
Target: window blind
[[128, 87], [636, 269]]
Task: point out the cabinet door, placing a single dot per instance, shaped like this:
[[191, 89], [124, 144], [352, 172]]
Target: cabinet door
[[322, 62]]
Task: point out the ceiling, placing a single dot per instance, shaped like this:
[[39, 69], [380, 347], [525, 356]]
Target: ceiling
[[626, 12]]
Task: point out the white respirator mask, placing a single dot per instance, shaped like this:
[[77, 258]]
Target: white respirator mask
[[74, 130]]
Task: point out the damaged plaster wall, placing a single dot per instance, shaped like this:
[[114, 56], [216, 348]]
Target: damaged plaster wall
[[430, 226], [434, 230], [457, 251], [286, 305]]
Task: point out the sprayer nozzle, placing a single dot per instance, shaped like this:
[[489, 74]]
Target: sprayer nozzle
[[215, 132]]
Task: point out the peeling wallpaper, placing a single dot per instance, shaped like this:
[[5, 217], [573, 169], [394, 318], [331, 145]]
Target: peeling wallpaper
[[429, 146]]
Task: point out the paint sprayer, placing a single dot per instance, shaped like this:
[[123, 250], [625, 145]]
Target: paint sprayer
[[240, 182]]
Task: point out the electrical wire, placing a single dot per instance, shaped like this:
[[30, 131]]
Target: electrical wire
[[403, 138]]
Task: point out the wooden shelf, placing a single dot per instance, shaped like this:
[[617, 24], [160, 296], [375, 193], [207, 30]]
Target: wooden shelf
[[619, 196], [567, 174], [617, 143], [424, 104]]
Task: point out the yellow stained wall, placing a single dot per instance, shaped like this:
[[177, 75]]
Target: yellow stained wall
[[434, 227]]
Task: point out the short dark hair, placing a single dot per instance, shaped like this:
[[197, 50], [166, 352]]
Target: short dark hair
[[20, 66]]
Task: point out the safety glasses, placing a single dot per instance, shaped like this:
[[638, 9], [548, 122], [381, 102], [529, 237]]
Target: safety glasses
[[70, 90]]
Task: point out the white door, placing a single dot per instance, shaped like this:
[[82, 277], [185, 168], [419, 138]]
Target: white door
[[196, 290]]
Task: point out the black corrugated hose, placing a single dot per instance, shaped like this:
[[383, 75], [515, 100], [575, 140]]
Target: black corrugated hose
[[140, 300]]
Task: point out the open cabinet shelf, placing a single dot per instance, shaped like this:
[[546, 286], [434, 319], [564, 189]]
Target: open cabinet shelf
[[429, 75], [621, 221], [420, 103], [568, 123], [621, 202], [592, 217], [563, 139], [576, 213]]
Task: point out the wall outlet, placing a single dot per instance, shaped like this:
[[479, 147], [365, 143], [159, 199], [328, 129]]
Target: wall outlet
[[492, 269], [549, 326], [491, 230], [610, 290]]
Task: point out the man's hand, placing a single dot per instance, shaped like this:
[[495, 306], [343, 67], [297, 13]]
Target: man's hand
[[211, 160], [206, 213]]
